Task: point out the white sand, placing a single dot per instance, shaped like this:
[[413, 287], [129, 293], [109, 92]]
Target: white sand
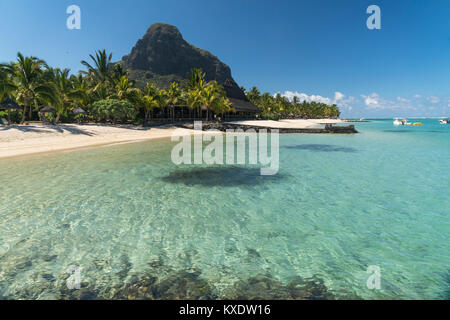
[[23, 140], [36, 138], [288, 123]]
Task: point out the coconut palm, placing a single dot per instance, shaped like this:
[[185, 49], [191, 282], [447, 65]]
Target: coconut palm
[[118, 72], [65, 94], [31, 87], [101, 72], [162, 100], [148, 99], [194, 100], [7, 85], [124, 89], [254, 95], [195, 79], [173, 97], [80, 85], [214, 98]]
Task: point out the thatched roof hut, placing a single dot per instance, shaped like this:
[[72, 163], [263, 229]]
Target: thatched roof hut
[[48, 109], [9, 104], [78, 110], [238, 99]]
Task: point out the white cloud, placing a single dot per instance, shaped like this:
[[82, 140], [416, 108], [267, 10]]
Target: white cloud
[[338, 96], [304, 97], [434, 99], [340, 99], [376, 104], [402, 99], [373, 101]]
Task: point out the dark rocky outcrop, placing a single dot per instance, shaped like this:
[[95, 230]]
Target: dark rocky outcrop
[[162, 52], [224, 126], [163, 56]]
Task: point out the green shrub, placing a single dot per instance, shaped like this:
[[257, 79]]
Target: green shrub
[[113, 110], [270, 116], [16, 116]]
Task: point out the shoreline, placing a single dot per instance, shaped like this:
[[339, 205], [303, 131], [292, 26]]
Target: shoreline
[[25, 140], [18, 141]]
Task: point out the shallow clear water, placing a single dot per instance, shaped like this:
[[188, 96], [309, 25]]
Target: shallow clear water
[[339, 204]]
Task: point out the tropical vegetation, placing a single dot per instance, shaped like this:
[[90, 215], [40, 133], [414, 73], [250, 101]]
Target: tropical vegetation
[[105, 92], [278, 106]]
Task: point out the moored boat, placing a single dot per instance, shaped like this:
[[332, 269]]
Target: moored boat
[[403, 122]]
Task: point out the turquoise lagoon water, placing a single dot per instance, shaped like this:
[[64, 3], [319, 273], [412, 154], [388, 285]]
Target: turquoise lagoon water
[[339, 204]]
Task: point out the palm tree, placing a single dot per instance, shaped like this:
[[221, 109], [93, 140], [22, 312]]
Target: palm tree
[[101, 73], [124, 89], [118, 72], [254, 95], [148, 99], [162, 99], [195, 79], [65, 93], [173, 97], [214, 98], [7, 85], [194, 99], [80, 85], [31, 87]]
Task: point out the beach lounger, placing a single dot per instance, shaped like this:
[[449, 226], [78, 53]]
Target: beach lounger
[[5, 122]]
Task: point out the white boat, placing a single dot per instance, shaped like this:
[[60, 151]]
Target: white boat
[[403, 122], [397, 122], [444, 121]]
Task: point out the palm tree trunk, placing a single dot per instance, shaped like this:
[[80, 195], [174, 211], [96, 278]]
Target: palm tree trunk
[[58, 116], [24, 112], [146, 112], [173, 113]]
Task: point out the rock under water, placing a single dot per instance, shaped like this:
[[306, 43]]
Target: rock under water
[[178, 285]]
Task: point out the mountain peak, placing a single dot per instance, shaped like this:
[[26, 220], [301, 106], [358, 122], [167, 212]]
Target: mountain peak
[[163, 53], [162, 30]]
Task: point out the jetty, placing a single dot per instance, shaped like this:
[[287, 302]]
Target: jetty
[[224, 126]]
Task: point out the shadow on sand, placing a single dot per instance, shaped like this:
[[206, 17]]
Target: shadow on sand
[[78, 129], [48, 129]]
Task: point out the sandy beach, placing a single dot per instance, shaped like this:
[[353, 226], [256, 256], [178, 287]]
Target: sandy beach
[[36, 138], [23, 140]]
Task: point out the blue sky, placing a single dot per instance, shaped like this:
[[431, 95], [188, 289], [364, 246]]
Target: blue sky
[[316, 49]]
